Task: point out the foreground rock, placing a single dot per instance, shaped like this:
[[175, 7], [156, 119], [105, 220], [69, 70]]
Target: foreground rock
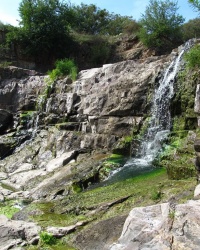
[[100, 235], [162, 226], [17, 233]]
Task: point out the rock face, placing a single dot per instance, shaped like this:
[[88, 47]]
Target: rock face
[[14, 234], [66, 119], [161, 227]]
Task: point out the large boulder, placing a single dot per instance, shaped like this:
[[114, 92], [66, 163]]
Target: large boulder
[[17, 233], [161, 226]]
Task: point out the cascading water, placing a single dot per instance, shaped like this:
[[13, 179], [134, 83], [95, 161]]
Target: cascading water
[[159, 124]]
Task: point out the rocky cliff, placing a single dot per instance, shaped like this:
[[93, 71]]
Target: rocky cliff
[[55, 137]]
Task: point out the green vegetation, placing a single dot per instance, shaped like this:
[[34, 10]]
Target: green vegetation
[[65, 67], [51, 30], [5, 64], [58, 245], [26, 116], [47, 238], [143, 190], [195, 4], [161, 26], [172, 215], [43, 30], [92, 20], [193, 57], [178, 156], [8, 209], [191, 29], [115, 161]]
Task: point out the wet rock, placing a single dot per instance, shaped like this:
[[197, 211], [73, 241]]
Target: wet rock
[[7, 145], [6, 119], [197, 145]]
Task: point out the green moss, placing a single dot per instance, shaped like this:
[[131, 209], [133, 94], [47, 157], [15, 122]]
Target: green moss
[[178, 157], [6, 186], [146, 189], [115, 161], [26, 116], [139, 189], [42, 98], [76, 187], [123, 146], [8, 209], [178, 123]]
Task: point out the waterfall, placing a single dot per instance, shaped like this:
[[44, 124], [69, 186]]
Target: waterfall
[[159, 124]]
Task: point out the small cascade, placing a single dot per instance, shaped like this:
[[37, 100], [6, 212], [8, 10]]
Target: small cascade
[[159, 124], [35, 125]]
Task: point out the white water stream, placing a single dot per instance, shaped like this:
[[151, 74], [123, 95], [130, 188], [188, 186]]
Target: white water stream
[[159, 124]]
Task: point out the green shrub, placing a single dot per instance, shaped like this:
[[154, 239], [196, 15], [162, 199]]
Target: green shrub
[[100, 53], [156, 195], [63, 68], [193, 57], [47, 238], [5, 64]]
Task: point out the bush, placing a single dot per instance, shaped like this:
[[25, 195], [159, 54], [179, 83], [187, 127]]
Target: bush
[[63, 68], [47, 238], [193, 57]]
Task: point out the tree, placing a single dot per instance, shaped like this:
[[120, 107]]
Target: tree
[[90, 19], [195, 4], [161, 26], [191, 29], [121, 24], [44, 28]]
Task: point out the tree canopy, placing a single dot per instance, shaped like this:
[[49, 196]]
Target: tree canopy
[[92, 20], [191, 29], [195, 4], [44, 28], [161, 25]]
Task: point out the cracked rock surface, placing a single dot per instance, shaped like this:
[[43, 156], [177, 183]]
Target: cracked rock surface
[[164, 226]]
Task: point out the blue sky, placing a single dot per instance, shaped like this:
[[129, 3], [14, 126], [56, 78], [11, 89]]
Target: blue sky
[[9, 8]]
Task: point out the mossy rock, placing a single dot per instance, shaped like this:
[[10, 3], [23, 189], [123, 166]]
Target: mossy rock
[[178, 172], [123, 146]]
